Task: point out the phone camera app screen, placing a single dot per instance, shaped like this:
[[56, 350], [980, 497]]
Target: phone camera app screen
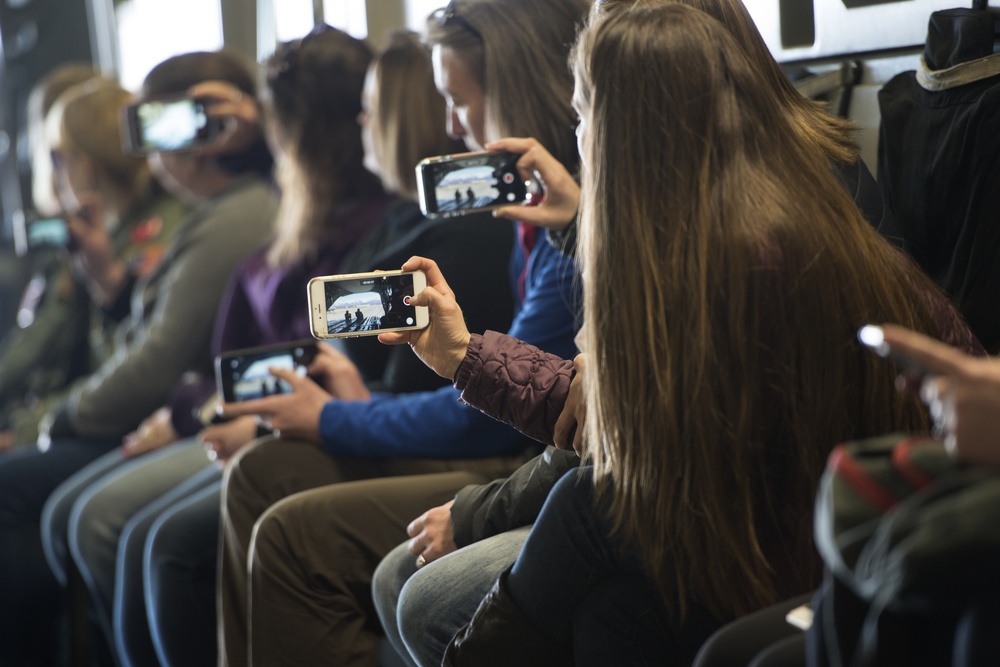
[[369, 304]]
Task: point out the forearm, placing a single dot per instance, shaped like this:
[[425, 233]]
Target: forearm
[[515, 383], [431, 424]]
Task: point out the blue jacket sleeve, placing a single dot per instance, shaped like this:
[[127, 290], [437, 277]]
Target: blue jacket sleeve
[[435, 424]]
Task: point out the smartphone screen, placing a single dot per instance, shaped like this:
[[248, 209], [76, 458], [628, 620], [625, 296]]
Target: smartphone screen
[[47, 233], [366, 304], [459, 184], [169, 125], [243, 375]]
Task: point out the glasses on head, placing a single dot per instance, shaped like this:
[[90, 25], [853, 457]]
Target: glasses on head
[[289, 57], [450, 16]]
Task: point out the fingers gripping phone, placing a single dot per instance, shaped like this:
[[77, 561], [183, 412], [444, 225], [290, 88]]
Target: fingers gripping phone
[[452, 185], [242, 375], [168, 124], [365, 304]]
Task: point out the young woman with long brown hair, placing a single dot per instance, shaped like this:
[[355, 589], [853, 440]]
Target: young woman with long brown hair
[[720, 310]]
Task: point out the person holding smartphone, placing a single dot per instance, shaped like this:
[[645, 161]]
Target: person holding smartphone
[[166, 320], [116, 223], [133, 524], [395, 438], [707, 436]]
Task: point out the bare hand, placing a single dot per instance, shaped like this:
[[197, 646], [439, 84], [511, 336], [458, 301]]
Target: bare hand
[[433, 533], [94, 253], [6, 440], [332, 370], [561, 197], [294, 415], [961, 392], [223, 440], [238, 110], [442, 344], [568, 431], [155, 431]]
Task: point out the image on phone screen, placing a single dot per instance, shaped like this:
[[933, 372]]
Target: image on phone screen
[[244, 375], [455, 185], [368, 304]]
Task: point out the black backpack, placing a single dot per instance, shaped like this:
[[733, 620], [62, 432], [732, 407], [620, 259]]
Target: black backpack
[[911, 542]]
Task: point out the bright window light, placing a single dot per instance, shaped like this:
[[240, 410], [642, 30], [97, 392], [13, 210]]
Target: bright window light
[[348, 15], [150, 31], [417, 12], [293, 18]]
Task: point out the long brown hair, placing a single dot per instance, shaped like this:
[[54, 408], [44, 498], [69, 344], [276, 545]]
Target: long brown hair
[[517, 50], [409, 117], [313, 95], [826, 132], [726, 272]]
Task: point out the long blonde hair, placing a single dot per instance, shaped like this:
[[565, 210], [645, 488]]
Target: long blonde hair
[[726, 272], [826, 132]]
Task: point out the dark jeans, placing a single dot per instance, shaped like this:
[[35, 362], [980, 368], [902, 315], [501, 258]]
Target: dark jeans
[[30, 596], [578, 587]]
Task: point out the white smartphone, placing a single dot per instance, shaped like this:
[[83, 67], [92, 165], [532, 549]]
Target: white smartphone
[[366, 304], [451, 185]]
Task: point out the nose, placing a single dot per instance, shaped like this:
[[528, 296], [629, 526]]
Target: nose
[[455, 128]]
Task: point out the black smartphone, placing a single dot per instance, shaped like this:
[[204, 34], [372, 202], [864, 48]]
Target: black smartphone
[[452, 185], [167, 125], [242, 375]]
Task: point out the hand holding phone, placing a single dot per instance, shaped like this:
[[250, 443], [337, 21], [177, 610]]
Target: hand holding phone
[[443, 343], [294, 415], [167, 124], [237, 112], [464, 183], [962, 393], [365, 304], [560, 198], [245, 374]]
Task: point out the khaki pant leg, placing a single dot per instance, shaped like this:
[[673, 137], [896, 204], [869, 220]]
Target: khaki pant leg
[[272, 469]]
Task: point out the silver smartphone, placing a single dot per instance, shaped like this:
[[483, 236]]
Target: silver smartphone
[[366, 304], [451, 185]]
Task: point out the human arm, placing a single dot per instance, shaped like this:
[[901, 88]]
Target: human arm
[[238, 110], [483, 510], [561, 194], [154, 432], [509, 380], [94, 256], [962, 393], [182, 298], [223, 440]]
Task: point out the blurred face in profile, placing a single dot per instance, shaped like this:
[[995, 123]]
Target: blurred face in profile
[[369, 109], [464, 96]]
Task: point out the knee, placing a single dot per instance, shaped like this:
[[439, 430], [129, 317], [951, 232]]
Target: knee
[[249, 470], [91, 534], [388, 581]]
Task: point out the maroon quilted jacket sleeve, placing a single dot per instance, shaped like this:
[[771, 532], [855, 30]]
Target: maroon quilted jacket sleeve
[[515, 383]]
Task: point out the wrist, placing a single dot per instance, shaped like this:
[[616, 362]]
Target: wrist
[[458, 357]]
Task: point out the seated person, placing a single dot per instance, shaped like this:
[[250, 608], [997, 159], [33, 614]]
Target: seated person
[[165, 331], [659, 577]]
